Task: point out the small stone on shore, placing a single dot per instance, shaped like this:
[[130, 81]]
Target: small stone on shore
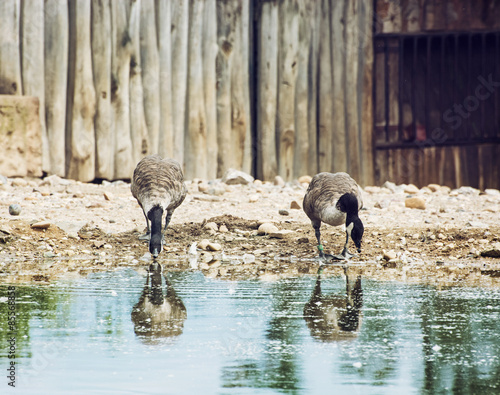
[[14, 209], [415, 202]]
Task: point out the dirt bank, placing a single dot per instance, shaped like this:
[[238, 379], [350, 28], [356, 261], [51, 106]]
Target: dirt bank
[[96, 227]]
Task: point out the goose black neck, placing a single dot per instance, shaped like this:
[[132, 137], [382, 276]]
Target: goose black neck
[[155, 215], [348, 203]]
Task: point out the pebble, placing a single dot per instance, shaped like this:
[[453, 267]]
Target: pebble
[[411, 189], [281, 234], [492, 192], [253, 198], [283, 212], [267, 228], [389, 185], [14, 209], [19, 182], [211, 227], [448, 247], [467, 191], [389, 255], [41, 225], [203, 244], [234, 177], [203, 187], [278, 180], [205, 198], [434, 187], [216, 189], [108, 196], [257, 183], [372, 189], [492, 251], [223, 229], [214, 246], [248, 258], [477, 224], [415, 202], [294, 205], [381, 204], [304, 179]]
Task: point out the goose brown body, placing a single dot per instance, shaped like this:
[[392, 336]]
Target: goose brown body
[[335, 198], [158, 185]]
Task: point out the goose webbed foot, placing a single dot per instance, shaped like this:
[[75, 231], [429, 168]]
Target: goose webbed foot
[[346, 254], [145, 237]]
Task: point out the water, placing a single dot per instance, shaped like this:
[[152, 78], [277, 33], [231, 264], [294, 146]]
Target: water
[[98, 335]]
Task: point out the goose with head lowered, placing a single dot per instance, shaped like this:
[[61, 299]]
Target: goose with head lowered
[[158, 185], [335, 199]]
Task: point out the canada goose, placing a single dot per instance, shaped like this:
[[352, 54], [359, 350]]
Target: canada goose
[[158, 185], [335, 198], [158, 313], [338, 316]]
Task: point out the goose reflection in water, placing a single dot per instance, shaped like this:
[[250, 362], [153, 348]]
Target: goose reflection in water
[[335, 317], [158, 314]]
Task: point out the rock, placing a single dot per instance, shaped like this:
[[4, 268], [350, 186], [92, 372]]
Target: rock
[[303, 240], [492, 192], [54, 180], [381, 204], [108, 196], [477, 224], [216, 189], [389, 255], [372, 189], [279, 181], [389, 185], [415, 202], [211, 227], [283, 212], [257, 183], [434, 187], [203, 187], [14, 209], [294, 205], [492, 251], [267, 228], [203, 244], [253, 198], [449, 247], [304, 179], [19, 182], [441, 236], [49, 254], [71, 228], [223, 229], [248, 258], [214, 246], [41, 225], [234, 177], [411, 189], [467, 191], [445, 190], [206, 257], [281, 234]]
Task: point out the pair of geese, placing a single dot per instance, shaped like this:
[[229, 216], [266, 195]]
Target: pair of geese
[[332, 198]]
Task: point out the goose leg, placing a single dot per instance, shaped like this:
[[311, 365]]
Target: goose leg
[[167, 221], [147, 236], [345, 252], [316, 227]]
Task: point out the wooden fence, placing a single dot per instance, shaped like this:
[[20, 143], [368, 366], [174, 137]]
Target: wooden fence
[[268, 87]]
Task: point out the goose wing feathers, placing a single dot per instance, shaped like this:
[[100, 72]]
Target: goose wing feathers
[[324, 191], [158, 181]]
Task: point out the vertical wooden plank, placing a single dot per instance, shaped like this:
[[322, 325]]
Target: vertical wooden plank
[[195, 152], [139, 136], [351, 88], [411, 14], [163, 26], [120, 99], [301, 154], [210, 83], [287, 76], [225, 38], [81, 96], [325, 104], [10, 55], [56, 35], [246, 47], [366, 92], [267, 91], [312, 106], [340, 67], [240, 117], [150, 72], [33, 70], [101, 64], [180, 23]]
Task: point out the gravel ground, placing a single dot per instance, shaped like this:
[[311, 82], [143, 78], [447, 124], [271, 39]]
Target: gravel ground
[[67, 228]]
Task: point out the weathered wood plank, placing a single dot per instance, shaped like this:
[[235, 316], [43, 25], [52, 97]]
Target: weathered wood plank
[[287, 76], [80, 134], [120, 98], [101, 65], [195, 153], [179, 36], [209, 54], [10, 55], [33, 69], [267, 165]]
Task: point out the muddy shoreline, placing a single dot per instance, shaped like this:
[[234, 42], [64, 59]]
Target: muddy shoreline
[[71, 229]]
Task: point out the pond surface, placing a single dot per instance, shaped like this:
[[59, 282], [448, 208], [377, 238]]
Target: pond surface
[[110, 334]]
